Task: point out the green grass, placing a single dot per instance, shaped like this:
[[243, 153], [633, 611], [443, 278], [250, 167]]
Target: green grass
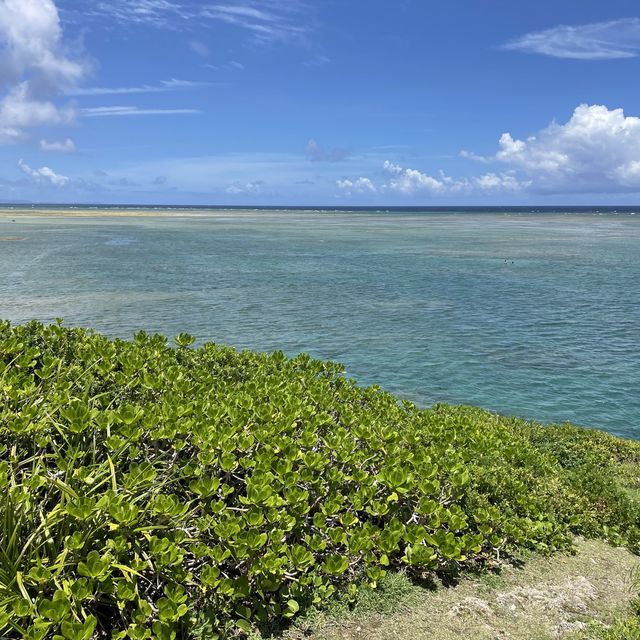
[[628, 629], [157, 491], [550, 594]]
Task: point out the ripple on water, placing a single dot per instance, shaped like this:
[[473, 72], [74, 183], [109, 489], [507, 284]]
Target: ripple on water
[[422, 305]]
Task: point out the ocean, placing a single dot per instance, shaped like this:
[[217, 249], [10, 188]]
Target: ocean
[[534, 313]]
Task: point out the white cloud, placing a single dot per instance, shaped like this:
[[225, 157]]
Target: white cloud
[[410, 182], [597, 150], [165, 85], [498, 182], [31, 36], [470, 155], [157, 13], [58, 146], [394, 169], [359, 185], [44, 175], [104, 112], [10, 135], [33, 67], [20, 111], [265, 20], [233, 65], [247, 188], [595, 41]]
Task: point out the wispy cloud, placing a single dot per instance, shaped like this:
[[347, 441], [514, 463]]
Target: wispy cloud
[[264, 20], [157, 13], [200, 48], [317, 61], [234, 65], [58, 146], [165, 85], [595, 41], [317, 153], [103, 112]]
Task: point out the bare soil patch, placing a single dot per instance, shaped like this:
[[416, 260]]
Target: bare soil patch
[[548, 598]]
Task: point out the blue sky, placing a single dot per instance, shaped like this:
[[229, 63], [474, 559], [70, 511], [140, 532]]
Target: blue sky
[[331, 102]]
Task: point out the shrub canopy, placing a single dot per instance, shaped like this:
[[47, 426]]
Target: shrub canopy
[[151, 491]]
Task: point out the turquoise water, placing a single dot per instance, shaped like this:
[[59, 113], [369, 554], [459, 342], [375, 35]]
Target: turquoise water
[[535, 315]]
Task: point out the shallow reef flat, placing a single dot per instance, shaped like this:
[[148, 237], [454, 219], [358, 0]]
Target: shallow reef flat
[[164, 212], [92, 213]]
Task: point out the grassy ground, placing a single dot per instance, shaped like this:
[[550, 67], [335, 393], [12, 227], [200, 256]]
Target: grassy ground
[[545, 598]]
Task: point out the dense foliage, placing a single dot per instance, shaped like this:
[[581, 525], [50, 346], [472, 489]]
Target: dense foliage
[[158, 492]]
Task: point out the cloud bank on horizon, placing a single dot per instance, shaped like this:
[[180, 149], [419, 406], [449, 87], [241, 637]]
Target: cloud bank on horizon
[[596, 151], [175, 101]]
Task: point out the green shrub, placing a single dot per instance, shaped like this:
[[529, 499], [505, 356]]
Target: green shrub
[[628, 629], [150, 490]]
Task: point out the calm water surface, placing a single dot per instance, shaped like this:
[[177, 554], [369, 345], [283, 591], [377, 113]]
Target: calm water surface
[[528, 314]]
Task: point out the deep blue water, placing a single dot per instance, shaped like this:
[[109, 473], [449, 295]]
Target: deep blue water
[[532, 314]]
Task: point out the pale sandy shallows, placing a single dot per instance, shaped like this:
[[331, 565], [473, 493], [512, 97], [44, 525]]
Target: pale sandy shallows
[[122, 213]]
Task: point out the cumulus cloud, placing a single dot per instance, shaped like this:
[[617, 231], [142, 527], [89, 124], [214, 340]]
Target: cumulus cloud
[[33, 67], [20, 110], [595, 41], [317, 153], [58, 146], [252, 188], [43, 175], [31, 39], [596, 150], [359, 185], [409, 182]]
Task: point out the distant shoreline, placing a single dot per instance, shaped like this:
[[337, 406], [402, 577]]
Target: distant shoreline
[[186, 211]]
